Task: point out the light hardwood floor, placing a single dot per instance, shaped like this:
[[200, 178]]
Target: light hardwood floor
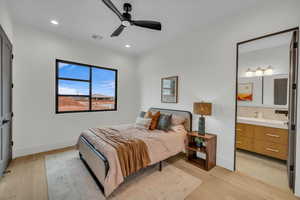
[[27, 181]]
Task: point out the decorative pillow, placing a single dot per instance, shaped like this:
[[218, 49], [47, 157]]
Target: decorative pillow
[[142, 123], [177, 120], [164, 122], [154, 121], [142, 114]]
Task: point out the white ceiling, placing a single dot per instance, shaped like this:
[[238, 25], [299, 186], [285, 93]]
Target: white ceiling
[[266, 43], [79, 19]]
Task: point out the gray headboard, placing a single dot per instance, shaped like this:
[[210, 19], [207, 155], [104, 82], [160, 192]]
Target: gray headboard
[[186, 114]]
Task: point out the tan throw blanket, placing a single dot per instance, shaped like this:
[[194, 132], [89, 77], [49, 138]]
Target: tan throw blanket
[[132, 152]]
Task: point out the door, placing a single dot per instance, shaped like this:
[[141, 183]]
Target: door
[[5, 101], [293, 109]]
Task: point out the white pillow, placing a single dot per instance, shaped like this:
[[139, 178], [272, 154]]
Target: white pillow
[[177, 120], [142, 122], [178, 128]]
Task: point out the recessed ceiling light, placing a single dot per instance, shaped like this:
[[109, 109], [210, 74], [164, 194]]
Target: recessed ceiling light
[[54, 22], [127, 45]]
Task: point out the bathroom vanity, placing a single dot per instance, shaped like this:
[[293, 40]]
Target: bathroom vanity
[[262, 136]]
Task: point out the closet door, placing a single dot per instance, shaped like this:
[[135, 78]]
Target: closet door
[[5, 101]]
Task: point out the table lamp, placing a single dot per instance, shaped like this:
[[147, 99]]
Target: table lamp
[[203, 109]]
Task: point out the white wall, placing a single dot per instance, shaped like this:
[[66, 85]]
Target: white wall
[[36, 126], [205, 62], [277, 57], [5, 19]]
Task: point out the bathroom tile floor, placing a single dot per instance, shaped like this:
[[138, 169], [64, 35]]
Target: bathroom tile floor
[[268, 170]]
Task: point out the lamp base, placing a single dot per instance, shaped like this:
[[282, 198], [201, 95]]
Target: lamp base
[[201, 126]]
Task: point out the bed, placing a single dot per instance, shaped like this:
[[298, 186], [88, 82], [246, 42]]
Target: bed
[[102, 161]]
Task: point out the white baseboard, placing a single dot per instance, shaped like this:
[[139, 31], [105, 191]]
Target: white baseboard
[[225, 163], [297, 191], [18, 152]]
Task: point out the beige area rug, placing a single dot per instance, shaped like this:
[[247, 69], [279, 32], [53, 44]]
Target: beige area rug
[[68, 179]]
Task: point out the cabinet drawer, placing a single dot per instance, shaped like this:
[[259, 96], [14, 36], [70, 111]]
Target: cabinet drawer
[[245, 130], [271, 149], [244, 143], [274, 135]]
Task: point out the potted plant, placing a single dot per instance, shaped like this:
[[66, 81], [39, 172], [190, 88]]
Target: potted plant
[[199, 142]]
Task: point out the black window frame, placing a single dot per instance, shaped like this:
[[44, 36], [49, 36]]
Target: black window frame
[[57, 95]]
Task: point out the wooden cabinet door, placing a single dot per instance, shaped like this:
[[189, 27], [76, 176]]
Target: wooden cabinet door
[[271, 149], [245, 130]]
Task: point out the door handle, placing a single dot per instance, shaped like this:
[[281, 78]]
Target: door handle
[[273, 150], [273, 135]]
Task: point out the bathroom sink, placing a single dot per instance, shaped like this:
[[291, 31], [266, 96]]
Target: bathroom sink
[[263, 122]]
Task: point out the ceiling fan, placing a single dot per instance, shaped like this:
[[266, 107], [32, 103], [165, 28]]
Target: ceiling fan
[[126, 19]]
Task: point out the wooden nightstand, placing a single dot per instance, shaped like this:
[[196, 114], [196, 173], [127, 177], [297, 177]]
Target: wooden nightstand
[[209, 150]]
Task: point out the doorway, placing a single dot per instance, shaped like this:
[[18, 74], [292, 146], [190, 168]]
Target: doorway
[[5, 101], [266, 108]]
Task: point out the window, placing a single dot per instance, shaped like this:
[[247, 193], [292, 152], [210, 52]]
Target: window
[[85, 88]]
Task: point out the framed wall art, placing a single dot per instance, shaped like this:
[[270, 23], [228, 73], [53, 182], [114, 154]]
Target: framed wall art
[[245, 92], [169, 89]]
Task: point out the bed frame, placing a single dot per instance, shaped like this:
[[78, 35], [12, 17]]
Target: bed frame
[[96, 162]]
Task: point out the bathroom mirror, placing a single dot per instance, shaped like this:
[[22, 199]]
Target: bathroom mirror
[[268, 91], [275, 90]]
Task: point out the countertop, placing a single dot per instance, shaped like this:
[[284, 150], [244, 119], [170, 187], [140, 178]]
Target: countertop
[[263, 122]]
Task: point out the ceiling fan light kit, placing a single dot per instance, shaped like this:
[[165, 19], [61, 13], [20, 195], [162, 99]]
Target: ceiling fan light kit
[[126, 20]]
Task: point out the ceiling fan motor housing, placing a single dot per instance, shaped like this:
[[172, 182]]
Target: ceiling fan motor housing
[[127, 7], [127, 16]]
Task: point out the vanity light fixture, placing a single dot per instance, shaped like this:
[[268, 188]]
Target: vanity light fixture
[[249, 72], [259, 72], [268, 71]]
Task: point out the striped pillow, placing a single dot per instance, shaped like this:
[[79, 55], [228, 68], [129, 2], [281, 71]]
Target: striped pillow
[[143, 123]]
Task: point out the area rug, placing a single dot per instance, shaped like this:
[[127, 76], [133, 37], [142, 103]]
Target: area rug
[[68, 179]]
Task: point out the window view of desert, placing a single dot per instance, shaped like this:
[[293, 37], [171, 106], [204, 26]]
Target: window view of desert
[[67, 103], [79, 86]]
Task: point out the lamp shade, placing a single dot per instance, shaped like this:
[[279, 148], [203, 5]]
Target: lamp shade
[[202, 108]]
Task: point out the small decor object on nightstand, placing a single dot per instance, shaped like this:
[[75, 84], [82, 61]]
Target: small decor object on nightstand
[[199, 142], [202, 108]]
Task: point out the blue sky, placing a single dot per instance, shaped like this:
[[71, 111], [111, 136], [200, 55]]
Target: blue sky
[[103, 81]]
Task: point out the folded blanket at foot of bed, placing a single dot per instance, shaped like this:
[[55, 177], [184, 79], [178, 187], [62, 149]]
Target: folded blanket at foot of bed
[[132, 152]]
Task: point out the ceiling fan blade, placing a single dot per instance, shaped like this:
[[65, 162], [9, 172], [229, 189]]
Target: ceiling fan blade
[[148, 24], [111, 6], [118, 31]]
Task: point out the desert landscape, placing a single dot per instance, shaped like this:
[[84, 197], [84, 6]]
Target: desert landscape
[[66, 103]]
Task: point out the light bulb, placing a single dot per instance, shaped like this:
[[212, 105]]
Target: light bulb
[[269, 71], [259, 72], [249, 73]]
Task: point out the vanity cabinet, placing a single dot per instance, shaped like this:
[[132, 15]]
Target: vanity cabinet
[[268, 141]]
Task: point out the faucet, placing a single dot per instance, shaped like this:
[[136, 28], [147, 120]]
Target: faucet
[[258, 115]]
